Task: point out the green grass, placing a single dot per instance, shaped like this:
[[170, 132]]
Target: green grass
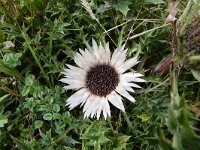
[[47, 33]]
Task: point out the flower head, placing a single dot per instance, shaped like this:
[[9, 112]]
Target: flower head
[[100, 78]]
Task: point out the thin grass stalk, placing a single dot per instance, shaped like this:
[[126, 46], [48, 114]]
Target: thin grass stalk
[[132, 30], [148, 31]]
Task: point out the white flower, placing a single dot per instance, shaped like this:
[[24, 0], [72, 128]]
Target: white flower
[[8, 44], [100, 78]]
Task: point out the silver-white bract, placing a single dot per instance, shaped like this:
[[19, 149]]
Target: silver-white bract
[[75, 78]]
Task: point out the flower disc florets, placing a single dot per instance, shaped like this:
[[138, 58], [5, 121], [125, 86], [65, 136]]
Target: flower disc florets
[[102, 79]]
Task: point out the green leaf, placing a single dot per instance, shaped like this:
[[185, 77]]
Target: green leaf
[[48, 116], [3, 97], [164, 143], [42, 108], [29, 80], [57, 116], [25, 90], [20, 144], [196, 74], [189, 139], [70, 141], [182, 117], [12, 59], [38, 124], [120, 142], [144, 117], [56, 108], [172, 122], [3, 120], [8, 70], [123, 6]]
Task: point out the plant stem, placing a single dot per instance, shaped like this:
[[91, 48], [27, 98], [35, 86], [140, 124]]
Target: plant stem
[[175, 51]]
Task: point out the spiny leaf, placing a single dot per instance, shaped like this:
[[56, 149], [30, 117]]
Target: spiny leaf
[[144, 117], [123, 7], [189, 139]]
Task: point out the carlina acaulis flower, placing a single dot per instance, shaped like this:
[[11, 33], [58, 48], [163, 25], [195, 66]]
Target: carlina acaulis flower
[[193, 35], [101, 78]]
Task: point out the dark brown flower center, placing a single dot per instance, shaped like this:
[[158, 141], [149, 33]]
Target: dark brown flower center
[[102, 79]]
